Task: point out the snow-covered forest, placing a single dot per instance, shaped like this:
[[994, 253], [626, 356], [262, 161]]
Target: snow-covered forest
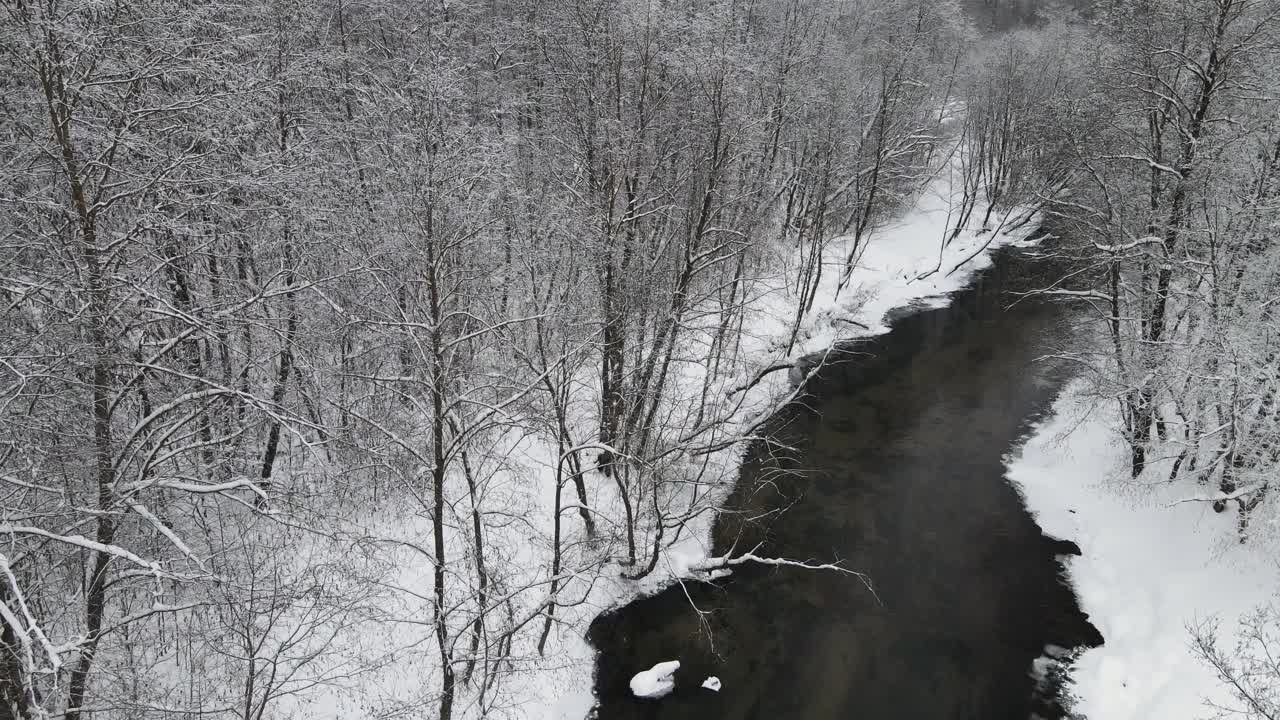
[[354, 355]]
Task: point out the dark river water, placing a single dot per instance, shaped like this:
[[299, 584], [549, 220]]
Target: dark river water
[[892, 464]]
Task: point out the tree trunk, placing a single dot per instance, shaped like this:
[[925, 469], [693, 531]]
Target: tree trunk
[[98, 319], [439, 472]]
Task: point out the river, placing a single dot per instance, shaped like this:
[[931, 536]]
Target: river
[[893, 464]]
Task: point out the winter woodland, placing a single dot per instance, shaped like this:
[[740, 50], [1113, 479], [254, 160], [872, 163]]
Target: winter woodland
[[354, 355]]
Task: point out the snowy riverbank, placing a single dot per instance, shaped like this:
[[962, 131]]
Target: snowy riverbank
[[1152, 566], [903, 264]]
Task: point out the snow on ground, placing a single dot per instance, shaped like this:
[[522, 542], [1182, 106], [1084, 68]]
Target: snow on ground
[[1152, 567], [902, 264]]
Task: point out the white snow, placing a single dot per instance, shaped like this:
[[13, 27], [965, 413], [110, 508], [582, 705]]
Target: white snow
[[712, 683], [903, 264], [1151, 569], [655, 682]]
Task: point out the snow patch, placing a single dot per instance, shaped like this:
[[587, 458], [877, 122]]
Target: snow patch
[[1151, 569], [655, 682], [712, 683]]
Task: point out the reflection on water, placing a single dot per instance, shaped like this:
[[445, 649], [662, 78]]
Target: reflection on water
[[895, 467]]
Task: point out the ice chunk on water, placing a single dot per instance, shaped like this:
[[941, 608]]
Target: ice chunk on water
[[655, 682]]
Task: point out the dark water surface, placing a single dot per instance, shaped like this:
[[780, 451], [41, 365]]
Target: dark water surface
[[894, 466]]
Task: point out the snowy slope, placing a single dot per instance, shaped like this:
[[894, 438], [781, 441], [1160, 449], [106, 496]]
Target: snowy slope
[[902, 264], [1152, 567]]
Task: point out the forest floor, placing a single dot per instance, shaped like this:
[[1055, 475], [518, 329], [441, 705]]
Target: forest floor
[[1157, 562]]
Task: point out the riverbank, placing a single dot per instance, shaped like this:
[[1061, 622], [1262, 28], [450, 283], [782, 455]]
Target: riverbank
[[908, 263], [893, 464], [912, 262], [1155, 565]]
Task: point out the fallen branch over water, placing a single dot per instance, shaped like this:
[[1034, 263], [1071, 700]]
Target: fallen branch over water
[[725, 562]]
